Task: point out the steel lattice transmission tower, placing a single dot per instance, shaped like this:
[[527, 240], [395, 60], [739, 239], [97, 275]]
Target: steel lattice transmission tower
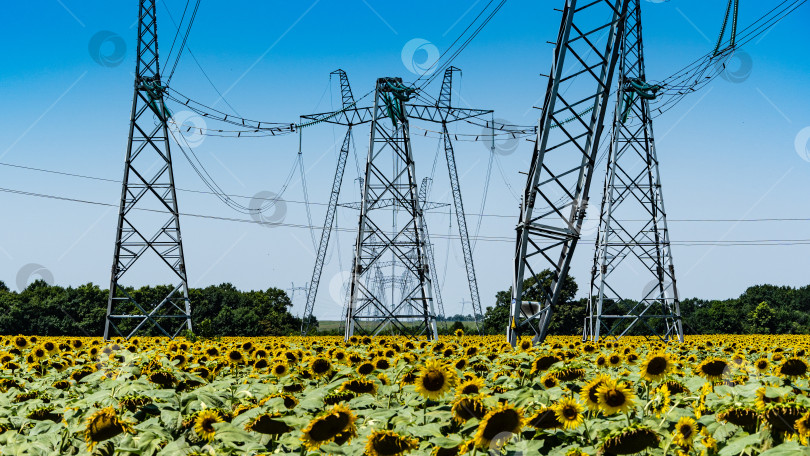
[[407, 269], [569, 130], [633, 246], [390, 179], [145, 237]]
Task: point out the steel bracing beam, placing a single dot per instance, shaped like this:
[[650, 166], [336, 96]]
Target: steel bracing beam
[[148, 183], [444, 102], [558, 182], [424, 190], [632, 247], [390, 173], [312, 292]]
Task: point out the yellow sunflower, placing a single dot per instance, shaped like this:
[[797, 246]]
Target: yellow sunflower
[[467, 407], [498, 426], [656, 367], [336, 424], [793, 368], [589, 394], [569, 412], [615, 397], [102, 425], [712, 368], [389, 443], [320, 366], [204, 424], [762, 365], [434, 380], [472, 386], [685, 430]]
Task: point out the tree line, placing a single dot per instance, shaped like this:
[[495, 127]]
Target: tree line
[[217, 310], [760, 309], [222, 310]]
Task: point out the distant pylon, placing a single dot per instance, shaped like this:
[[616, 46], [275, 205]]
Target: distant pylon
[[633, 276], [148, 184], [390, 179]]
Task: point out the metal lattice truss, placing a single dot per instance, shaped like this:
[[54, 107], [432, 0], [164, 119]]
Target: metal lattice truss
[[393, 199], [397, 237], [569, 130], [633, 246], [148, 183]]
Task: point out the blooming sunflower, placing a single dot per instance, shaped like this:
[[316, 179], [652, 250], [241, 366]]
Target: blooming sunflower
[[589, 394], [569, 412], [320, 366], [102, 425], [659, 403], [685, 430], [472, 386], [656, 367], [389, 443], [792, 368], [235, 357], [712, 368], [762, 365], [434, 380], [630, 440], [336, 424], [204, 424], [744, 417], [498, 426], [615, 397], [467, 407]]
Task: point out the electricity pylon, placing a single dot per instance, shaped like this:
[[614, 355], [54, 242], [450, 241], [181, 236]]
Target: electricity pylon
[[379, 315], [391, 173], [633, 246], [555, 198], [148, 184]]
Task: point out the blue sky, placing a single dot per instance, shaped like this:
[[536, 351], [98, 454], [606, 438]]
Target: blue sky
[[729, 151]]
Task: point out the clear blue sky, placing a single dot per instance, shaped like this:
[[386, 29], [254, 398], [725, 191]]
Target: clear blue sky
[[726, 152]]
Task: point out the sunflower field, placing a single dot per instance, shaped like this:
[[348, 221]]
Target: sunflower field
[[711, 395]]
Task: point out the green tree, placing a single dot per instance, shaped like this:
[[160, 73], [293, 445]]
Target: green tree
[[568, 314], [762, 319]]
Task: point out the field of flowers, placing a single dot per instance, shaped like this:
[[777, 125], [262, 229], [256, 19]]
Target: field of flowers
[[726, 395]]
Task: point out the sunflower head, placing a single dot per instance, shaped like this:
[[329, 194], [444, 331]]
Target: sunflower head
[[684, 433], [793, 368], [389, 443], [569, 412], [467, 407], [320, 366], [498, 426], [615, 397], [656, 366], [335, 424], [630, 440], [589, 391], [782, 417], [472, 386], [762, 365], [102, 425], [360, 386], [712, 368], [204, 424], [434, 380], [744, 417]]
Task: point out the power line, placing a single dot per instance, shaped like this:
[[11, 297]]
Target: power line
[[692, 243], [315, 203]]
